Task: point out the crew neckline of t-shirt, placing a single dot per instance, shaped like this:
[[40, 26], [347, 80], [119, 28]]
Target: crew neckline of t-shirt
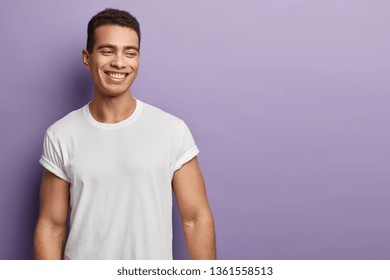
[[132, 118]]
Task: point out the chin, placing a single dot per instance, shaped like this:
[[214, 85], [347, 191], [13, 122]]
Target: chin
[[110, 92], [114, 94]]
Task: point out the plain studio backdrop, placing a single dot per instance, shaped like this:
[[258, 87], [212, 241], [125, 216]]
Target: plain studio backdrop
[[288, 102]]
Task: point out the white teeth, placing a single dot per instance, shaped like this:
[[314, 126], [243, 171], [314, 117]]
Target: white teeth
[[117, 75]]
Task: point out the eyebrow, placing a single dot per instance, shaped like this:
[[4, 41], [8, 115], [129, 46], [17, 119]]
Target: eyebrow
[[114, 47]]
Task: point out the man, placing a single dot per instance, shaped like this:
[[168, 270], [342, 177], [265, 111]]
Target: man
[[114, 163]]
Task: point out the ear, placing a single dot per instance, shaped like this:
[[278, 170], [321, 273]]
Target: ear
[[85, 55]]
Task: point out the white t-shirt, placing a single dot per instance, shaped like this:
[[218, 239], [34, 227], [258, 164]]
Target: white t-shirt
[[120, 179]]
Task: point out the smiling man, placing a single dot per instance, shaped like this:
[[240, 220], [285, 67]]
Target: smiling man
[[115, 162]]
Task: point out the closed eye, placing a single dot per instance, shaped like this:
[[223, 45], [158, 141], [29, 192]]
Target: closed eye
[[106, 52], [130, 54]]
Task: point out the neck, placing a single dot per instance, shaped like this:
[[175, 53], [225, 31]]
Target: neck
[[112, 109]]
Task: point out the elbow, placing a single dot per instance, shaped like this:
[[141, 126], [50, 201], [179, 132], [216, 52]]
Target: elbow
[[48, 227], [204, 217]]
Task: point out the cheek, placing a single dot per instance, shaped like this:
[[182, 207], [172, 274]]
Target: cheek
[[134, 63], [97, 69], [96, 72]]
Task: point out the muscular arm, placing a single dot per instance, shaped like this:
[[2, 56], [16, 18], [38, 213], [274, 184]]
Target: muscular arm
[[50, 231], [197, 219]]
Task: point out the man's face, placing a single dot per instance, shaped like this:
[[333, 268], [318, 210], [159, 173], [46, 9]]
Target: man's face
[[114, 60]]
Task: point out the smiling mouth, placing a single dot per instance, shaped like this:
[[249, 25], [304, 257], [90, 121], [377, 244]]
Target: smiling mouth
[[116, 76]]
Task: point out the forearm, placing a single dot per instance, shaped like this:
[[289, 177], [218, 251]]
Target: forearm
[[200, 237], [49, 241]]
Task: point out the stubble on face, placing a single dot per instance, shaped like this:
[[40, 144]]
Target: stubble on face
[[114, 61]]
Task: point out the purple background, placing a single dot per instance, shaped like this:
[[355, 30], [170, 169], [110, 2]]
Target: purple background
[[287, 100]]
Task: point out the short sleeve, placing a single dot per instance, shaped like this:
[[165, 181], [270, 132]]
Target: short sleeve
[[51, 159], [187, 148]]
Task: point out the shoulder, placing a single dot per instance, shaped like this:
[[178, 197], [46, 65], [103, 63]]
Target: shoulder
[[160, 117], [66, 124]]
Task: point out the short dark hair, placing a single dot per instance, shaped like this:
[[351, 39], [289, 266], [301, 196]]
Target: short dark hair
[[111, 17]]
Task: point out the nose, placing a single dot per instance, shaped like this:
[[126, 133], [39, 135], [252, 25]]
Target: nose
[[118, 61]]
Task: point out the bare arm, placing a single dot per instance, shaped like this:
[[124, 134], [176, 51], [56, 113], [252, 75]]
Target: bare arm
[[50, 231], [197, 219]]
